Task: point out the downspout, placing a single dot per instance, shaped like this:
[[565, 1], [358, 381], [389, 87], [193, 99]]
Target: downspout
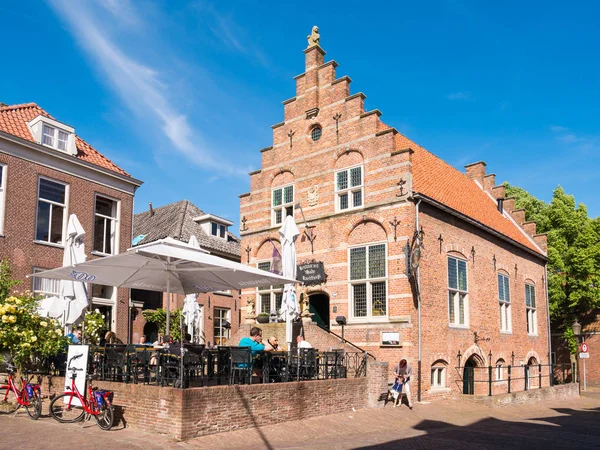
[[130, 303], [418, 314], [548, 317]]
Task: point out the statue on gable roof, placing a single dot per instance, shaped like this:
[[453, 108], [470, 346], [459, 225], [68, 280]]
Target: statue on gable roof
[[314, 37]]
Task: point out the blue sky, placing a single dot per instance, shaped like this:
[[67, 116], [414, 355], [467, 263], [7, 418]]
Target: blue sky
[[182, 95]]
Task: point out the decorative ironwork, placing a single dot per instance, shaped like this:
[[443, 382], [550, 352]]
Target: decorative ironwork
[[337, 118], [512, 358], [459, 356], [441, 239], [308, 232], [248, 250], [478, 339], [244, 220], [516, 269], [395, 224], [413, 253], [473, 254], [291, 134], [494, 260], [400, 185]]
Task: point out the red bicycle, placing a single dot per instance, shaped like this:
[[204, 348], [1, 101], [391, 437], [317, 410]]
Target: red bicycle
[[28, 396], [97, 403]]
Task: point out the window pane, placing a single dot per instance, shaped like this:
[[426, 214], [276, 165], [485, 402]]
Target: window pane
[[277, 196], [532, 295], [99, 224], [355, 177], [1, 170], [451, 306], [344, 201], [342, 180], [461, 309], [49, 190], [56, 227], [62, 140], [106, 207], [359, 294], [289, 211], [288, 194], [462, 275], [500, 288], [452, 278], [48, 137], [278, 216], [213, 228], [377, 261], [43, 221], [108, 235], [358, 263], [278, 300], [378, 298], [506, 289], [265, 265], [265, 303], [222, 231], [357, 198]]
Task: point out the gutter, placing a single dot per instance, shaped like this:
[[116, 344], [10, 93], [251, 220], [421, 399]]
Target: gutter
[[474, 222]]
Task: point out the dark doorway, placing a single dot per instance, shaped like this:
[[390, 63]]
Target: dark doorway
[[151, 332], [319, 306], [469, 376]]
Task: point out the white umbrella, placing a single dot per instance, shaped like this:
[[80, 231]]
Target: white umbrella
[[167, 266], [191, 309], [289, 306], [73, 298]]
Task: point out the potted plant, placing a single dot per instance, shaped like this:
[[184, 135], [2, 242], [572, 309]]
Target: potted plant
[[262, 318]]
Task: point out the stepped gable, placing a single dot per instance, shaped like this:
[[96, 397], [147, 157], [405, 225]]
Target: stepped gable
[[14, 118], [438, 180], [176, 220]]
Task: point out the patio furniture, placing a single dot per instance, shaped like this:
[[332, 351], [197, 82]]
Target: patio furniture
[[240, 366]]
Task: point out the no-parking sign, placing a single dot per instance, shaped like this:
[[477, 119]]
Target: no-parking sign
[[584, 347]]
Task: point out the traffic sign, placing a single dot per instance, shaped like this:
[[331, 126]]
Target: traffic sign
[[584, 355], [584, 347]]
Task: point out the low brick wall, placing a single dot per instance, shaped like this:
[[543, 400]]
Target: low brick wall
[[558, 392], [188, 413]]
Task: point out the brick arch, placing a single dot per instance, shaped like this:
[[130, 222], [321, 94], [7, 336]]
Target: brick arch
[[266, 241], [457, 250], [502, 268], [349, 158], [312, 290], [346, 151], [354, 224], [310, 127], [503, 271], [284, 175], [475, 351], [532, 354]]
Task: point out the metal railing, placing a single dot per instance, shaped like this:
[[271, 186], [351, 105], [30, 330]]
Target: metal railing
[[508, 379]]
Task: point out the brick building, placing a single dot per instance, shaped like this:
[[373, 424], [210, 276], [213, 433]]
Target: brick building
[[181, 220], [361, 192], [48, 173]]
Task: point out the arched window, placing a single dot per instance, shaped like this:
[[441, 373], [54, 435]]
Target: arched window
[[349, 188], [438, 374], [500, 370], [504, 302], [458, 302], [531, 309]]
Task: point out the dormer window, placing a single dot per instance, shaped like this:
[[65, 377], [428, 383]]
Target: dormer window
[[218, 230], [51, 133]]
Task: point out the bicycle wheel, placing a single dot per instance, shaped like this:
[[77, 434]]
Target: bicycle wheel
[[60, 411], [105, 417], [34, 409]]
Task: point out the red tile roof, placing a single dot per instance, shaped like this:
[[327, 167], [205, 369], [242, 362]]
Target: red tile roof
[[441, 182], [14, 118]]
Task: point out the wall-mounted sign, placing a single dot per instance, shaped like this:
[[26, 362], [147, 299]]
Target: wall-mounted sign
[[391, 338], [311, 273]]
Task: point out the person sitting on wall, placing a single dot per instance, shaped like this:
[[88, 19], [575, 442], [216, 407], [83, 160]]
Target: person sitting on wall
[[254, 341]]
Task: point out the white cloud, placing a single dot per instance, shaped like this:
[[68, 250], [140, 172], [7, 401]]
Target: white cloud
[[459, 96], [558, 128], [141, 87]]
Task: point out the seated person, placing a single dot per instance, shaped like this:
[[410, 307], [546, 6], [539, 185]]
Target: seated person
[[143, 340], [110, 338], [160, 340], [187, 339], [75, 336], [272, 345], [302, 343], [254, 341]]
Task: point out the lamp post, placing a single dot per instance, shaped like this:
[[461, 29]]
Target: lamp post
[[341, 320], [576, 327]]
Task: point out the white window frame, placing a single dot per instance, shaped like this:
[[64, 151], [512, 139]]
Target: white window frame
[[222, 330], [115, 226], [65, 213], [3, 179], [456, 296], [368, 281], [349, 190], [111, 302], [42, 292], [220, 228], [438, 377], [499, 370], [531, 311], [284, 205], [504, 303], [272, 291], [54, 134]]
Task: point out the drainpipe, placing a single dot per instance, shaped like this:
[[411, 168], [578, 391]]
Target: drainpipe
[[548, 316], [418, 314]]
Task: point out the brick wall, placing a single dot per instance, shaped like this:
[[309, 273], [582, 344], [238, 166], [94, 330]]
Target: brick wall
[[18, 244], [188, 413]]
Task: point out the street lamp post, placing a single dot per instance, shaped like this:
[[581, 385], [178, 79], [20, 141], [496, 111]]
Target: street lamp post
[[577, 332]]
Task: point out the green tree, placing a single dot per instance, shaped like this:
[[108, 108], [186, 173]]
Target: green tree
[[573, 253]]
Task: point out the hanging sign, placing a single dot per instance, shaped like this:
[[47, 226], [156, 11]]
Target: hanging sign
[[311, 273]]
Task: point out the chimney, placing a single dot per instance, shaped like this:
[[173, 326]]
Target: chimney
[[476, 171], [151, 210], [501, 205]]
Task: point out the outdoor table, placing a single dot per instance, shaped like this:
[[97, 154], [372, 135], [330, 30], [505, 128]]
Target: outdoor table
[[275, 366]]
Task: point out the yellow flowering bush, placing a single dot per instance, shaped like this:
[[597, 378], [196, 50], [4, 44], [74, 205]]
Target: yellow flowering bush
[[94, 323], [23, 333]]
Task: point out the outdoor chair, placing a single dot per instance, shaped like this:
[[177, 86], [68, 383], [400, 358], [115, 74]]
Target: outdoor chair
[[240, 365], [140, 364], [114, 363], [223, 364], [308, 363]]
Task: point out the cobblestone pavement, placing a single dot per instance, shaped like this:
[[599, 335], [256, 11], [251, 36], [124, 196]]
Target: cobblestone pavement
[[446, 424]]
